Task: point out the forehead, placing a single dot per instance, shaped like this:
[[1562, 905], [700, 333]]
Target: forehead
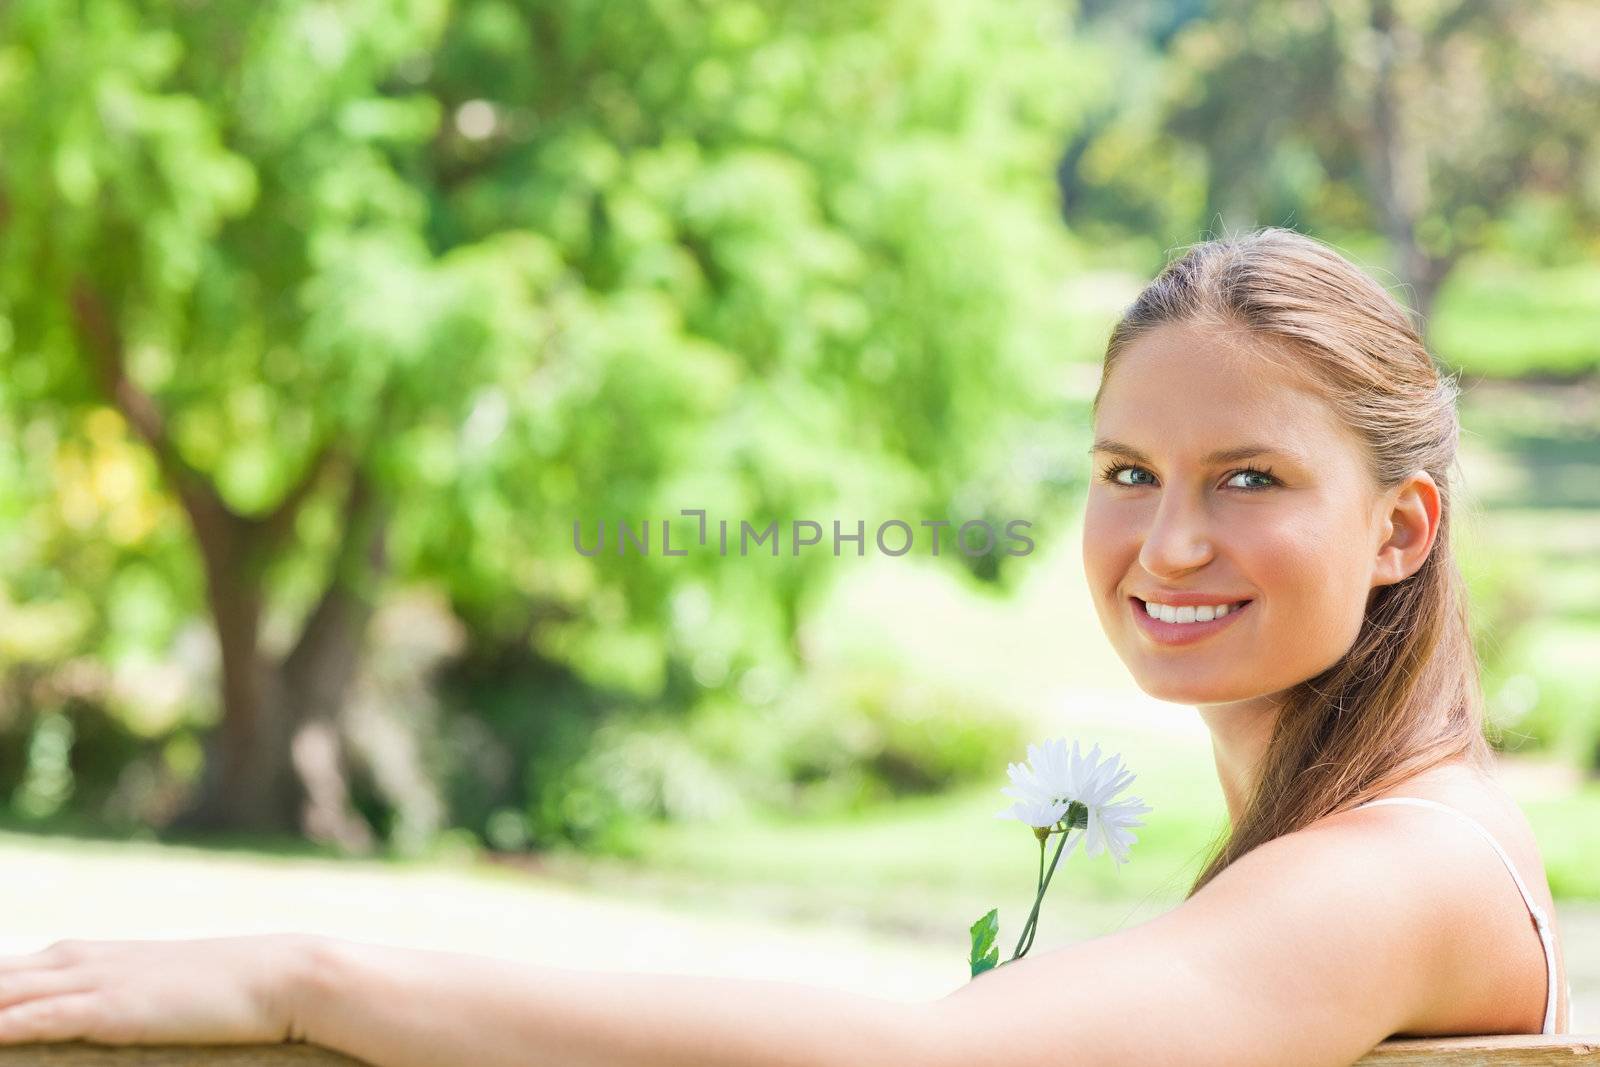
[[1189, 388]]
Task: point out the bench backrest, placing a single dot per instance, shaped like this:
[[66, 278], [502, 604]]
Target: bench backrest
[[1509, 1050], [77, 1054], [1517, 1050]]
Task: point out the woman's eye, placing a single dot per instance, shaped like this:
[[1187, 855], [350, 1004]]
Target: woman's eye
[[1113, 475], [1250, 472], [1263, 479]]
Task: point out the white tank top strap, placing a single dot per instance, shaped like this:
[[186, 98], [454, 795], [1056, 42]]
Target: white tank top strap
[[1540, 919]]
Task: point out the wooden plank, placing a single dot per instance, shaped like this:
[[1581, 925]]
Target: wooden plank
[[79, 1054], [1502, 1050], [1509, 1050]]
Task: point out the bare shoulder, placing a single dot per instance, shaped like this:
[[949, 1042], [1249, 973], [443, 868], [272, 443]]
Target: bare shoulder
[[1494, 962], [1427, 883], [1309, 949], [1361, 895]]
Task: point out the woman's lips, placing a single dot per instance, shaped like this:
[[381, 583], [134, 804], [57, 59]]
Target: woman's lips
[[1183, 633]]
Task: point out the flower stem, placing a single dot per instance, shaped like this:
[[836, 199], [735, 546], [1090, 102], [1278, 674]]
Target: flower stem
[[1038, 896], [1025, 942]]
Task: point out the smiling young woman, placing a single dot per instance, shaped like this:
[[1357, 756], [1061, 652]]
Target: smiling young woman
[[1266, 539]]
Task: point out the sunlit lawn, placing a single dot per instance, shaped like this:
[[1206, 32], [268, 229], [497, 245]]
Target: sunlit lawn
[[933, 864], [919, 863], [1503, 320]]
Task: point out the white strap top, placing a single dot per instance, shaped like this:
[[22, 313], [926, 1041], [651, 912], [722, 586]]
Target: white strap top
[[1540, 918]]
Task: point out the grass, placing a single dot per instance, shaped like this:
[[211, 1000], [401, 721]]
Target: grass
[[1506, 320], [928, 866], [1568, 829], [1531, 456]]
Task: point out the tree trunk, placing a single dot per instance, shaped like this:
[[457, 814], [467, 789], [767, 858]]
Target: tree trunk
[[247, 783], [1399, 172], [277, 760], [319, 672], [275, 763]]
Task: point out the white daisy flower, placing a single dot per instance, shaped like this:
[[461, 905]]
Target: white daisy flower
[[1040, 814], [1084, 788], [1059, 790], [1110, 827], [1047, 777]]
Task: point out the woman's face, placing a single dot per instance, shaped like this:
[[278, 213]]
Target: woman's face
[[1170, 521]]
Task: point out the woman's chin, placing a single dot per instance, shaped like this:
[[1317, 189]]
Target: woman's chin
[[1190, 690]]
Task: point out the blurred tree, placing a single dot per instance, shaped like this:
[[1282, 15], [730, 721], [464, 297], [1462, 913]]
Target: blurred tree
[[203, 230], [1121, 177], [412, 286], [1423, 121]]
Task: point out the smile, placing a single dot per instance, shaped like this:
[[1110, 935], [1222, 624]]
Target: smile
[[1183, 633]]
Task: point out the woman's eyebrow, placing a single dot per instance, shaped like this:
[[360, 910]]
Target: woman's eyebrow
[[1221, 455]]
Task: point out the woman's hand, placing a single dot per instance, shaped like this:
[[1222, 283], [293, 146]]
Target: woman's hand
[[213, 991]]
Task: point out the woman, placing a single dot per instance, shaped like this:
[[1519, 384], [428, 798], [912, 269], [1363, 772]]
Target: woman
[[1271, 437]]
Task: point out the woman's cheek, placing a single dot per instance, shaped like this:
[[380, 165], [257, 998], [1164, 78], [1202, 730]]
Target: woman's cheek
[[1308, 579], [1102, 544]]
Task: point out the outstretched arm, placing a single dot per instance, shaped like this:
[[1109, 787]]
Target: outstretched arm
[[416, 1008], [1309, 950], [401, 1007]]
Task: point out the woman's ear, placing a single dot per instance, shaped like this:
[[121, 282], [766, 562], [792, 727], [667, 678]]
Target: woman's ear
[[1409, 527]]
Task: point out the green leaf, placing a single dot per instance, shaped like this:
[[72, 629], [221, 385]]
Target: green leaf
[[984, 953]]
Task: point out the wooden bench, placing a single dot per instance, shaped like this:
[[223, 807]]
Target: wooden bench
[[77, 1054], [1510, 1050], [1517, 1050]]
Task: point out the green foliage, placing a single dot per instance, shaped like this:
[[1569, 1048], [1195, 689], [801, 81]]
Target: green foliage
[[74, 757], [795, 292], [1501, 592], [1551, 700], [558, 762], [846, 736], [1447, 128], [1500, 319], [1568, 828], [528, 264], [520, 265], [630, 771], [984, 954]]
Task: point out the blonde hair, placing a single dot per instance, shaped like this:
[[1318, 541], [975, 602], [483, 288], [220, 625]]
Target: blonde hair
[[1407, 695]]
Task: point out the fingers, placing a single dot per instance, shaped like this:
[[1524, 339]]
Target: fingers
[[61, 1018], [43, 995], [19, 986], [58, 954]]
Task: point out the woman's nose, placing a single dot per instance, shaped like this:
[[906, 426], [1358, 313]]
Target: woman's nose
[[1178, 539]]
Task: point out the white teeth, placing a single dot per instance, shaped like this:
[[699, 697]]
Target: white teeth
[[1203, 613]]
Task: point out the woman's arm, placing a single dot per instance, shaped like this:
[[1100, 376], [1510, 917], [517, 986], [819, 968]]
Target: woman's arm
[[1309, 950], [417, 1008]]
